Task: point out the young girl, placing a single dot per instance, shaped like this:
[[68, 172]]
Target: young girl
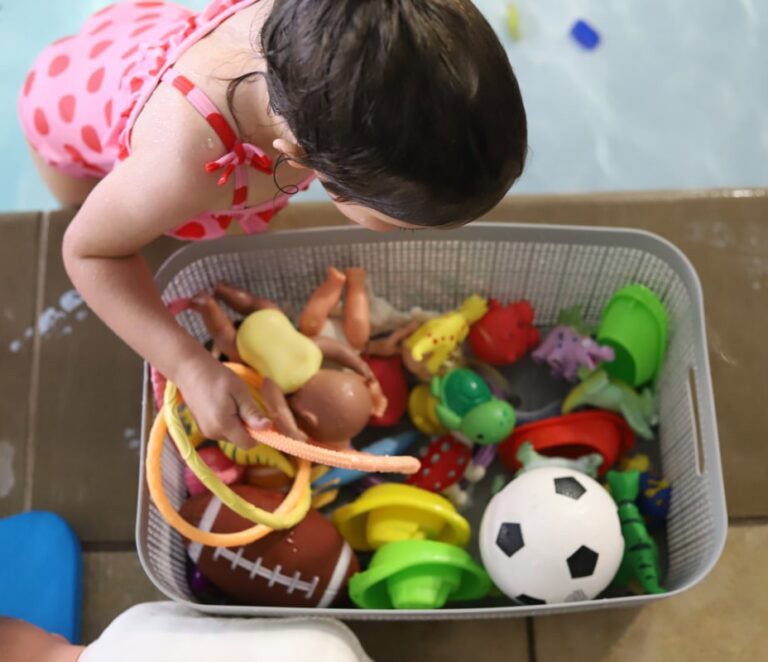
[[158, 120]]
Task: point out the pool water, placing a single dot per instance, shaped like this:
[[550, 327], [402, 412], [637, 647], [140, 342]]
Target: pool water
[[675, 95]]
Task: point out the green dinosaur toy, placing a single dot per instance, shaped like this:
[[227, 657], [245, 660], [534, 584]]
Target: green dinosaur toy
[[641, 556], [573, 318], [599, 390], [528, 457], [466, 405]]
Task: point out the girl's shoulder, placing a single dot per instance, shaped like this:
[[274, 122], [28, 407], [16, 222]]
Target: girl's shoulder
[[171, 137]]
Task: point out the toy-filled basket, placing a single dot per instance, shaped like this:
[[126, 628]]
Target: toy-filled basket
[[554, 268]]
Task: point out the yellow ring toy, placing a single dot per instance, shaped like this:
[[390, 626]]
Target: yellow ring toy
[[298, 495], [208, 478], [297, 500]]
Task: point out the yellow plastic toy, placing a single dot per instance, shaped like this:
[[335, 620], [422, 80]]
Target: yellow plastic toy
[[437, 338], [323, 499], [513, 22], [422, 408], [639, 462], [258, 454], [291, 362], [392, 512]]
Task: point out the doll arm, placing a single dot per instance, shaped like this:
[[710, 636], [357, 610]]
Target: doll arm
[[241, 300], [220, 327], [390, 346]]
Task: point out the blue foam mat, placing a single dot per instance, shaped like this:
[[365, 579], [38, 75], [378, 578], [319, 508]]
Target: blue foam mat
[[41, 572]]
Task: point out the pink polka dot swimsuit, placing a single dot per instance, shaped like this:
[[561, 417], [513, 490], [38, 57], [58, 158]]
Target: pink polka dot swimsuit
[[81, 99]]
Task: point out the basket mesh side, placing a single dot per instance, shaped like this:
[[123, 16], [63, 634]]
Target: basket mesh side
[[439, 275]]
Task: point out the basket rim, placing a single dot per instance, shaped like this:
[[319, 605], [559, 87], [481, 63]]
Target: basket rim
[[265, 241]]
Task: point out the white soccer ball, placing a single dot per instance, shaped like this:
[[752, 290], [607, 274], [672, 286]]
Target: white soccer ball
[[551, 535]]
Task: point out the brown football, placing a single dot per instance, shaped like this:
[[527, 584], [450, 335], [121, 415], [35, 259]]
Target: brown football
[[306, 566]]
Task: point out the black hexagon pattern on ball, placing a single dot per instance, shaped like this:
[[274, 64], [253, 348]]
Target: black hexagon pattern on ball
[[510, 538], [569, 487], [528, 600], [582, 562]]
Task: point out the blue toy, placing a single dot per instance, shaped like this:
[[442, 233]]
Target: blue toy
[[41, 573], [655, 493], [585, 35], [337, 477], [654, 499]]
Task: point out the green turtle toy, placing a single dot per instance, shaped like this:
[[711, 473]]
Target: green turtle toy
[[599, 390], [641, 556], [467, 406]]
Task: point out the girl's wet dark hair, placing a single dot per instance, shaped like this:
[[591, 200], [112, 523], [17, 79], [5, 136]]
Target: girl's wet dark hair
[[409, 107]]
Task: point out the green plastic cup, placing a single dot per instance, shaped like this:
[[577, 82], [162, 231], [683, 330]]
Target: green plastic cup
[[635, 325], [418, 574], [423, 588]]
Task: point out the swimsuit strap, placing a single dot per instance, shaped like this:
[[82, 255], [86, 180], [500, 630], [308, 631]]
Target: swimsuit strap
[[239, 155]]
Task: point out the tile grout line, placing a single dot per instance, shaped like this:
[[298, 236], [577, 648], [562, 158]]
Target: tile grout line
[[530, 631], [108, 546], [34, 382], [748, 520]]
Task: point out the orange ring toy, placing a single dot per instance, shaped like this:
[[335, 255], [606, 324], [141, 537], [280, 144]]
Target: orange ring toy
[[297, 499], [299, 493]]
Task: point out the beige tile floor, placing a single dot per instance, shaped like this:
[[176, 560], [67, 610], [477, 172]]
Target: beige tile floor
[[69, 415]]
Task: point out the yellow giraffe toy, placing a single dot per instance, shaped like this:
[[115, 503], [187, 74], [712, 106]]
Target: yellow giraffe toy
[[438, 338]]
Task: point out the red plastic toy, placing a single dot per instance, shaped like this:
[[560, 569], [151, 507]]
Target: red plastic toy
[[572, 436], [391, 377], [223, 467], [444, 463], [505, 333]]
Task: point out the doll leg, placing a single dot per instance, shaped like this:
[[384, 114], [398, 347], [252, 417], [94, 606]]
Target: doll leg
[[323, 300], [357, 314], [220, 327], [241, 300]]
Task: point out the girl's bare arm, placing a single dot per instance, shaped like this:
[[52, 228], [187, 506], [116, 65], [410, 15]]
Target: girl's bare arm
[[160, 186]]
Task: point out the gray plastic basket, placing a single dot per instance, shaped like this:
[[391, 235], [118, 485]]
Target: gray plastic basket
[[553, 267]]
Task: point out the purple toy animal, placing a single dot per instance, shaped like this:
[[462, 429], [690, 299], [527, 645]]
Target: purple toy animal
[[565, 351]]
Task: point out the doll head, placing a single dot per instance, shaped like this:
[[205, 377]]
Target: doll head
[[333, 406]]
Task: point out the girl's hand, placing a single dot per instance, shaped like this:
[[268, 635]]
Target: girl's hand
[[219, 401]]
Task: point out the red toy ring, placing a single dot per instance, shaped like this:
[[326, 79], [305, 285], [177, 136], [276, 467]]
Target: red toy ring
[[572, 436]]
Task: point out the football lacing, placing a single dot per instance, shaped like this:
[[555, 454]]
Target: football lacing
[[273, 576]]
